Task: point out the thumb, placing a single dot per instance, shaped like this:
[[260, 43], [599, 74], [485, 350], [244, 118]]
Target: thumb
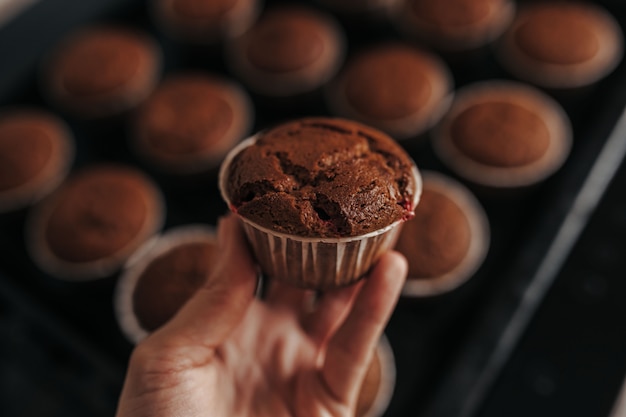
[[219, 305]]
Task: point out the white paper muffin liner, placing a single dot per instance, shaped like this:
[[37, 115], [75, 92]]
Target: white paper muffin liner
[[314, 263], [480, 237], [137, 264]]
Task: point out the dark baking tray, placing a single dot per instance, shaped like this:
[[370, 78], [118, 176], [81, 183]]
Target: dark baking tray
[[448, 348]]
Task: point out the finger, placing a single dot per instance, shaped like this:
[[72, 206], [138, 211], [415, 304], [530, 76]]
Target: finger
[[219, 305], [351, 348], [330, 311], [282, 295]]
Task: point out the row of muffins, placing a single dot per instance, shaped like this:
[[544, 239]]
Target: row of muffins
[[165, 112], [408, 91]]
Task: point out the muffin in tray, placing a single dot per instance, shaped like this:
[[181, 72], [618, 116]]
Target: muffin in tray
[[562, 45], [101, 71], [454, 25], [190, 122], [205, 21], [378, 385], [289, 51], [320, 198], [96, 219], [446, 241], [503, 134], [161, 277], [36, 153], [399, 89]]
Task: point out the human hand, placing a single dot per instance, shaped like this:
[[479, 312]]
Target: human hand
[[228, 354]]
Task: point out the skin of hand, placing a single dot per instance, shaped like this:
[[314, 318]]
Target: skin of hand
[[227, 353]]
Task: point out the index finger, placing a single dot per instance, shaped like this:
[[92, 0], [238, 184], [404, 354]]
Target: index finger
[[351, 348]]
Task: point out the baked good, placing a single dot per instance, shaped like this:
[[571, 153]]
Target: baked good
[[562, 45], [36, 153], [454, 25], [101, 71], [94, 222], [446, 241], [333, 188], [205, 22], [190, 122], [158, 282], [289, 51], [377, 387], [503, 134], [396, 88]]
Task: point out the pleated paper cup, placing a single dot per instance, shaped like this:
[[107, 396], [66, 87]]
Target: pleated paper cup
[[314, 262]]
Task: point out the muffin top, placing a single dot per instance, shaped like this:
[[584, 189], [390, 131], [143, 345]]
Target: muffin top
[[500, 132], [99, 211], [390, 81], [101, 71], [438, 238], [29, 142], [286, 39], [559, 33], [562, 45], [322, 177], [185, 115], [190, 116], [169, 280], [114, 54]]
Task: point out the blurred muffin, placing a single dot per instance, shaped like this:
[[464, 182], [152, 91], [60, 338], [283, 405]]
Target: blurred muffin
[[378, 385], [190, 122], [398, 89], [289, 51], [94, 222], [503, 134], [561, 44], [36, 153], [446, 241], [320, 198], [454, 25], [158, 281], [99, 72], [205, 21]]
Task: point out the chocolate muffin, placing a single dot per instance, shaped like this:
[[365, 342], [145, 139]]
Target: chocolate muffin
[[156, 284], [94, 222], [329, 185], [396, 88], [454, 25], [205, 22], [562, 45], [99, 72], [36, 153], [190, 122], [446, 241], [504, 135], [291, 50]]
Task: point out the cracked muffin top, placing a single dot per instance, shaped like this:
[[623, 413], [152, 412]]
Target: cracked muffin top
[[322, 177]]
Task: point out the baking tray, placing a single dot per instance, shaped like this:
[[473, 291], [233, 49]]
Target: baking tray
[[449, 349]]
